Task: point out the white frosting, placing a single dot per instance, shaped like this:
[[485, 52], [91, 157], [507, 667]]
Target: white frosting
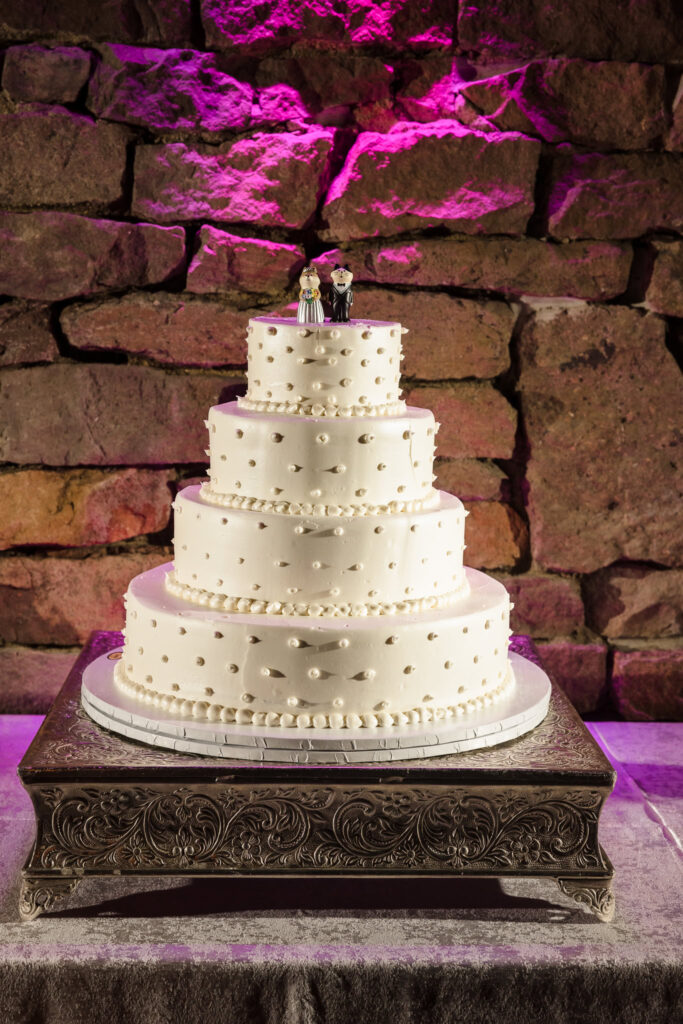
[[321, 461], [294, 368], [353, 671], [318, 577], [389, 562]]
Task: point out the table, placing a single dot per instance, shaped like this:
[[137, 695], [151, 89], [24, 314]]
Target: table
[[336, 950]]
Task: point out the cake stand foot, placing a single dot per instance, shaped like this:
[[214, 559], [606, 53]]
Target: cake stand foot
[[39, 894], [593, 893]]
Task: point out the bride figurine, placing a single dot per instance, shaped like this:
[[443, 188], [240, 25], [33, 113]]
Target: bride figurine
[[310, 309]]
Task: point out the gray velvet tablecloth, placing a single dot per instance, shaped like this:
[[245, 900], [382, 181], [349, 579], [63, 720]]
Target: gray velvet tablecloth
[[299, 952]]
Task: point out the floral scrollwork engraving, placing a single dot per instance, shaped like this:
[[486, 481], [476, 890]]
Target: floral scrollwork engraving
[[39, 895], [254, 827], [596, 895]]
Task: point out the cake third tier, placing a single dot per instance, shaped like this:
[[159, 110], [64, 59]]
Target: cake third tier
[[336, 465]]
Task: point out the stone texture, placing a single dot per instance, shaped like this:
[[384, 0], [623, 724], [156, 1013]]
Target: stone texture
[[427, 89], [25, 335], [601, 397], [349, 79], [674, 138], [635, 601], [612, 30], [275, 180], [476, 420], [225, 261], [31, 679], [581, 671], [439, 174], [175, 329], [70, 508], [51, 255], [647, 682], [524, 266], [98, 415], [271, 26], [124, 21], [54, 156], [470, 479], [448, 337], [610, 105], [496, 537], [665, 289], [60, 600], [41, 74], [168, 90], [545, 606], [597, 195]]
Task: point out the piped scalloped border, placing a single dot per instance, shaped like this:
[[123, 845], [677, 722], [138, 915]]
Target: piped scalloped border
[[243, 716], [356, 609], [309, 509], [311, 408]]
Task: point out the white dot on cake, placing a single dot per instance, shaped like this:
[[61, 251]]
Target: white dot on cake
[[247, 698], [208, 692], [252, 639], [314, 673], [391, 640], [408, 669], [276, 438], [164, 658], [199, 661], [379, 529], [322, 438], [239, 433], [182, 630], [448, 664]]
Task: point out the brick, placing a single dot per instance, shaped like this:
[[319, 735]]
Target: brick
[[603, 472], [348, 80], [174, 329], [635, 601], [168, 90], [98, 415], [124, 21], [578, 669], [470, 479], [269, 27], [433, 175], [449, 337], [545, 606], [476, 420], [674, 136], [496, 537], [42, 74], [61, 600], [612, 30], [427, 88], [225, 261], [267, 179], [665, 290], [51, 256], [614, 195], [609, 105], [25, 335], [54, 156], [72, 508], [647, 682], [523, 266], [32, 678]]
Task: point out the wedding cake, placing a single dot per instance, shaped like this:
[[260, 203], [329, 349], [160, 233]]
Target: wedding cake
[[318, 578]]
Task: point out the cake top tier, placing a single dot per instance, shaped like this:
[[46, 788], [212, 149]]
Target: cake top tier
[[325, 369]]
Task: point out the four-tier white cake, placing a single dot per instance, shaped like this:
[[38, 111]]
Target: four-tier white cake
[[318, 578]]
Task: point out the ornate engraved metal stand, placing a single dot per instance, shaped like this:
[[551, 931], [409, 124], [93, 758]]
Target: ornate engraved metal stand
[[109, 806]]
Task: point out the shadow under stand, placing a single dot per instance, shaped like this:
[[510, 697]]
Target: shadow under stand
[[111, 807]]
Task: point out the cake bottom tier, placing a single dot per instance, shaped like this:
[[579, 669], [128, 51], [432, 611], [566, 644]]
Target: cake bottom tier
[[300, 673]]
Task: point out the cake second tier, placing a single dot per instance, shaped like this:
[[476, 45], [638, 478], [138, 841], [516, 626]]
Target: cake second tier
[[265, 562], [332, 466]]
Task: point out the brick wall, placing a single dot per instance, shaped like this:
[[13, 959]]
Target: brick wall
[[505, 180]]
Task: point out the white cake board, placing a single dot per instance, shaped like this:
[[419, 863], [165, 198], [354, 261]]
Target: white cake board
[[522, 708]]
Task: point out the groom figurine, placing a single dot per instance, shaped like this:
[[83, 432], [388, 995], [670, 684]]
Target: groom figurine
[[341, 294]]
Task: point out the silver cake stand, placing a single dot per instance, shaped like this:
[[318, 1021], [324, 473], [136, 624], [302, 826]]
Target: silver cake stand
[[522, 708]]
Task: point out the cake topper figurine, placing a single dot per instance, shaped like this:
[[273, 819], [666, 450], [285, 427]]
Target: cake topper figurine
[[341, 293], [310, 309]]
